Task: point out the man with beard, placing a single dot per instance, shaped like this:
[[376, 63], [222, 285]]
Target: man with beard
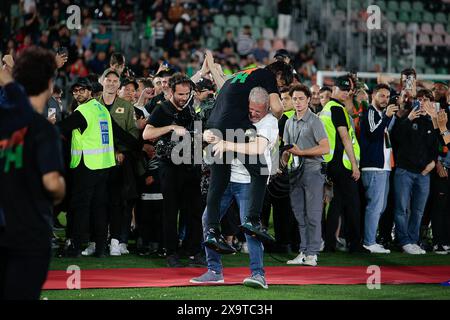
[[92, 151], [376, 166], [315, 107], [171, 120]]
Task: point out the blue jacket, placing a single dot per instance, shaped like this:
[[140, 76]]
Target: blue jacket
[[372, 128]]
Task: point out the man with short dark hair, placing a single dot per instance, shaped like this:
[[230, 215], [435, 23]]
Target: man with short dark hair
[[417, 149], [306, 133], [180, 182], [30, 173], [376, 153], [324, 95]]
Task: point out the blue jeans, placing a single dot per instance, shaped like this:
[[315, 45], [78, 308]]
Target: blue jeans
[[376, 185], [411, 191], [239, 191]]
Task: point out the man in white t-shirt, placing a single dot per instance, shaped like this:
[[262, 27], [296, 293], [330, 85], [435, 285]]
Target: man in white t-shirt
[[238, 188]]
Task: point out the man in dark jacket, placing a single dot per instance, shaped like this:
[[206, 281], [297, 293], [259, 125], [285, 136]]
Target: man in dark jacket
[[417, 142], [375, 163]]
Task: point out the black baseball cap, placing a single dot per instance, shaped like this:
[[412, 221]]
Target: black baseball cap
[[282, 53], [204, 84], [127, 81], [83, 83], [343, 83]]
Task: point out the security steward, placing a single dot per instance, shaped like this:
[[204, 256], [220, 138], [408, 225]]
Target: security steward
[[92, 156], [343, 162]]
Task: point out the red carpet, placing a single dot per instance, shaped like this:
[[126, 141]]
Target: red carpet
[[298, 275]]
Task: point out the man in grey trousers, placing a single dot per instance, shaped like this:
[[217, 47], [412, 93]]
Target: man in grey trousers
[[309, 141]]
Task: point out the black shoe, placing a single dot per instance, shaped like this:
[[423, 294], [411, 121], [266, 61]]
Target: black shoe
[[71, 252], [215, 241], [358, 249], [173, 261], [197, 260], [100, 254], [256, 230]]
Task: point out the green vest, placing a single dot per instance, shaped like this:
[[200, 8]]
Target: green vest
[[289, 113], [325, 116], [95, 144]]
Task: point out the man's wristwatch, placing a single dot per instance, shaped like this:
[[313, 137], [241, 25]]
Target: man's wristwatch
[[445, 133]]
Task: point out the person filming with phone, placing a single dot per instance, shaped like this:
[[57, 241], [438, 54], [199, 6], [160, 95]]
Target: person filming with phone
[[416, 140]]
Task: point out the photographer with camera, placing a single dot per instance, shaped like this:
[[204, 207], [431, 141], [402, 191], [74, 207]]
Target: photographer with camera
[[171, 120], [376, 152], [417, 148], [306, 133]]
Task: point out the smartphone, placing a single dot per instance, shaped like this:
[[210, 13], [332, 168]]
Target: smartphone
[[408, 81], [393, 100], [437, 106], [286, 147], [62, 51], [415, 105], [51, 112]]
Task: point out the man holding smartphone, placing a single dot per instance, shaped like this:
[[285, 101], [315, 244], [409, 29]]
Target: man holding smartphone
[[417, 148]]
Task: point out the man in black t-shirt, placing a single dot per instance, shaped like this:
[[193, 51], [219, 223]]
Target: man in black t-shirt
[[180, 182], [31, 182], [231, 113]]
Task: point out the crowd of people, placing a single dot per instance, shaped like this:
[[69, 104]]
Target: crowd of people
[[176, 164]]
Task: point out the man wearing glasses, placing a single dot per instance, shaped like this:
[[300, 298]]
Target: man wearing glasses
[[92, 156]]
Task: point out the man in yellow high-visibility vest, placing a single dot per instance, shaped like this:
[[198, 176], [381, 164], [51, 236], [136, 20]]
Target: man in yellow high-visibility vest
[[343, 161], [92, 156]]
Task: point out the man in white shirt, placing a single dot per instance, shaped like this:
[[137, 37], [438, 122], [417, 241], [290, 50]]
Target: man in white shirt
[[376, 162], [238, 188]]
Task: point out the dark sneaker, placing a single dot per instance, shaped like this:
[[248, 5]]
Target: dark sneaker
[[256, 230], [208, 277], [215, 241], [72, 252], [197, 261], [438, 249], [256, 281], [173, 261]]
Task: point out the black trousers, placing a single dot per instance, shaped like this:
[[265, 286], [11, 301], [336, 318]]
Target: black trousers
[[440, 209], [220, 177], [22, 274], [181, 183], [149, 215], [284, 222], [346, 201], [119, 207], [88, 203]]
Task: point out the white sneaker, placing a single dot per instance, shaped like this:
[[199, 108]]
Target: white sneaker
[[90, 250], [322, 246], [410, 249], [244, 248], [446, 248], [298, 259], [376, 248], [123, 248], [310, 261], [341, 245], [419, 249], [114, 248]]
